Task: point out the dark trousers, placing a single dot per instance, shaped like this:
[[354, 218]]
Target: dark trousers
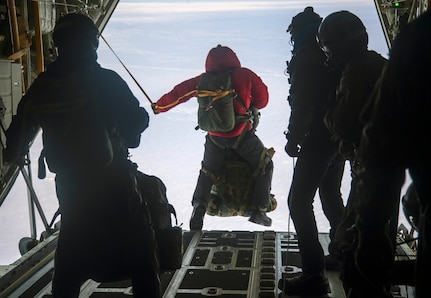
[[319, 167], [250, 149], [99, 239]]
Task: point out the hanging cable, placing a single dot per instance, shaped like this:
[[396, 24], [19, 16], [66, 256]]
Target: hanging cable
[[288, 220], [288, 225], [143, 91]]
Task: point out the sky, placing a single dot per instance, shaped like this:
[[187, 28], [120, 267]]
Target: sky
[[163, 43]]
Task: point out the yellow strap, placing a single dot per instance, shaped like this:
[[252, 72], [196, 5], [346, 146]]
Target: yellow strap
[[215, 94], [202, 93], [172, 104]]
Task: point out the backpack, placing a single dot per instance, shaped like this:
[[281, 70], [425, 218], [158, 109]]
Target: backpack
[[169, 238], [215, 98]]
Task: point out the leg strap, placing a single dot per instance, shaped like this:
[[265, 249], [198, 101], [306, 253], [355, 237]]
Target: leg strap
[[213, 177]]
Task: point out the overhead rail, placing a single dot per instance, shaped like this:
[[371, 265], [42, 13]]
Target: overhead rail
[[394, 14]]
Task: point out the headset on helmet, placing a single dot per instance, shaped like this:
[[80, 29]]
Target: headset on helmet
[[341, 35], [74, 29]]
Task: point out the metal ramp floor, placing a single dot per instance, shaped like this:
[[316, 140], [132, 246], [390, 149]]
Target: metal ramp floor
[[229, 264]]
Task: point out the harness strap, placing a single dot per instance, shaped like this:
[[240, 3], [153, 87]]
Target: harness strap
[[213, 177], [240, 138], [56, 214], [265, 157], [215, 142], [237, 142], [172, 211], [41, 172], [242, 118], [177, 101], [214, 94]]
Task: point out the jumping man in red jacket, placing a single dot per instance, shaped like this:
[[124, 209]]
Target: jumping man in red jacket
[[253, 92]]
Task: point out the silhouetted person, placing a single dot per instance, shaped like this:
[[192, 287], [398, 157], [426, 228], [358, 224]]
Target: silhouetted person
[[344, 39], [396, 139], [89, 119], [252, 92], [319, 166]]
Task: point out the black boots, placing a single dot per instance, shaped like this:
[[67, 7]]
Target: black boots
[[305, 285], [197, 219], [260, 218]]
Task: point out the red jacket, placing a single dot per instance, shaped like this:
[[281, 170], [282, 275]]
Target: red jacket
[[249, 87]]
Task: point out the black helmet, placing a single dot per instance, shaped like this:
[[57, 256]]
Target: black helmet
[[303, 19], [342, 35], [75, 30]]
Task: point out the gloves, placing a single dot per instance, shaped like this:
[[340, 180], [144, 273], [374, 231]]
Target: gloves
[[292, 149], [293, 146], [154, 107]]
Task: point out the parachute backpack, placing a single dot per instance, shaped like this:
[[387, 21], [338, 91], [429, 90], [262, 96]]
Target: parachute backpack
[[232, 192], [215, 98]]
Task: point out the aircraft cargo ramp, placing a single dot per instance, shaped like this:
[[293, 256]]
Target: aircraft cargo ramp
[[234, 264]]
